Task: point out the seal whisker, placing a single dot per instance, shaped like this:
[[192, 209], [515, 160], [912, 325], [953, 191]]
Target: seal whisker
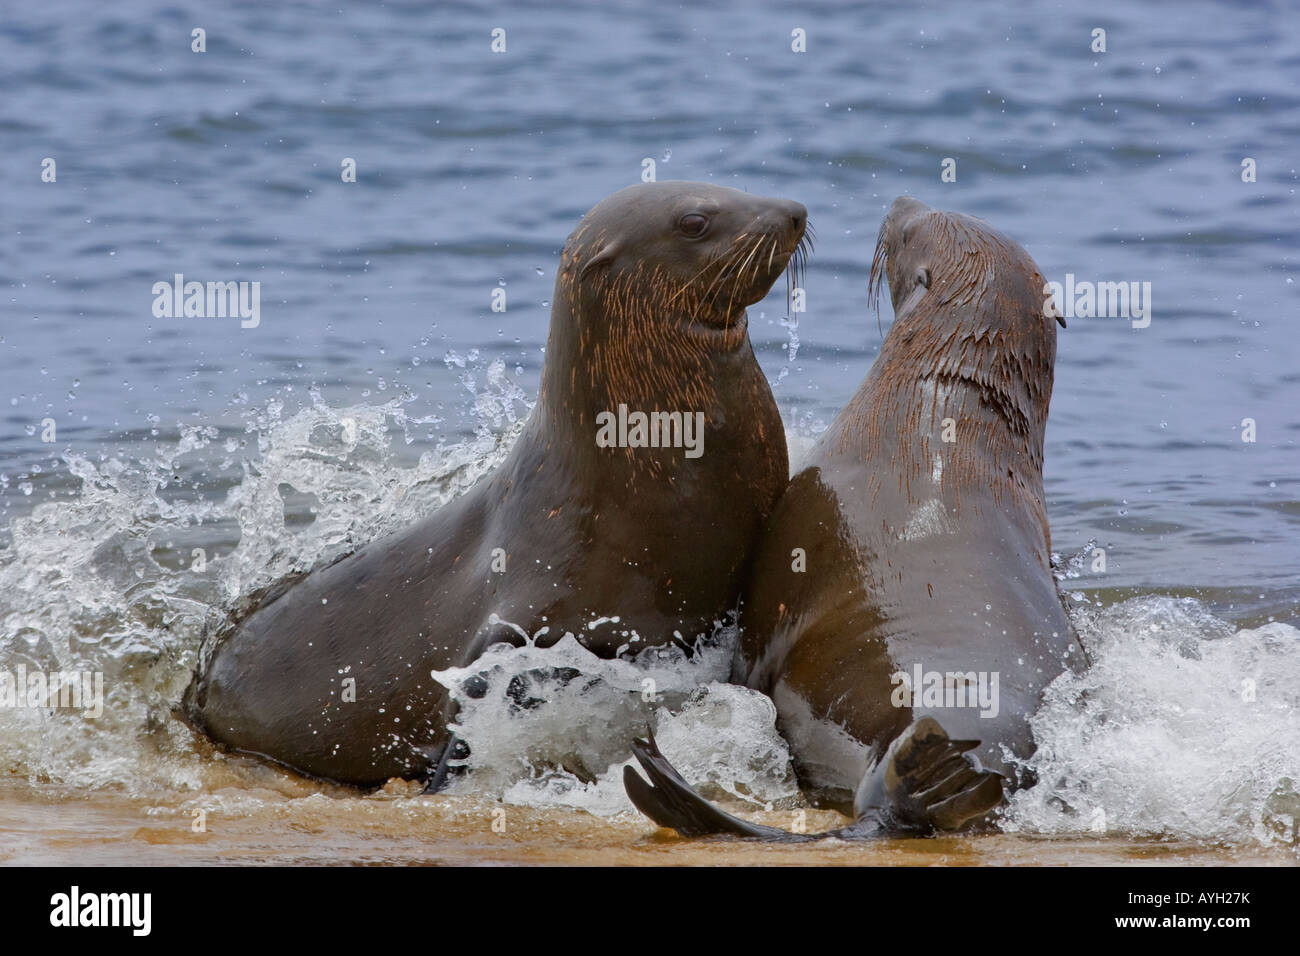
[[795, 269], [741, 271], [738, 283], [877, 276], [772, 243], [744, 266], [722, 264], [717, 285], [709, 265]]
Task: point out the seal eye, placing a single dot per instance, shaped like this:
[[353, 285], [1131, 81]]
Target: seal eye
[[693, 225], [923, 277]]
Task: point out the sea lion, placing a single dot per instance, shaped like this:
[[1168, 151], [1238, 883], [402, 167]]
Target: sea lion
[[595, 513], [902, 591]]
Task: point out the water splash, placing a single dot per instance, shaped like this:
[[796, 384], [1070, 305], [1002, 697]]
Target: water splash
[[1183, 727], [553, 726], [105, 580]]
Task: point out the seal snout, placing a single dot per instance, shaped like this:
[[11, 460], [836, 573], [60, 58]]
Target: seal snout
[[781, 217], [798, 214], [775, 236]]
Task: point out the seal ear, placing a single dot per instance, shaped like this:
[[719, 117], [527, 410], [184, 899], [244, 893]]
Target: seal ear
[[606, 255]]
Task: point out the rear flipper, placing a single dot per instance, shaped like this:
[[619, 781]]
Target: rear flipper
[[669, 801], [455, 749], [923, 783]]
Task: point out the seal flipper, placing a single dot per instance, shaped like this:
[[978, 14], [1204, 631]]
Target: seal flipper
[[926, 782], [455, 749], [669, 801]]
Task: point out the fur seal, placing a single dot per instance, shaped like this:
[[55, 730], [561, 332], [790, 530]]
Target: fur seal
[[595, 512], [901, 612]]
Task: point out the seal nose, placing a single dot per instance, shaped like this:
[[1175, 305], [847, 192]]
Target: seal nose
[[776, 216], [798, 215]]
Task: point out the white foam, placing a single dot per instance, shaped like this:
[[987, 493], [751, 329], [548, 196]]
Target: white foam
[[1182, 727], [81, 586], [553, 726]]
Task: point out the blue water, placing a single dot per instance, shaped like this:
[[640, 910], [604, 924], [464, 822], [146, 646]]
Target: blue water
[[474, 166]]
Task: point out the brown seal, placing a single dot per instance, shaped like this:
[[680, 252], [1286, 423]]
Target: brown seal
[[594, 510], [903, 592]]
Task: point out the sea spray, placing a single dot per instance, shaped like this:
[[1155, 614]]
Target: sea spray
[[1183, 728], [553, 726]]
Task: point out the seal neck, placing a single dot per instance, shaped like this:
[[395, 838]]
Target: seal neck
[[956, 401], [625, 345]]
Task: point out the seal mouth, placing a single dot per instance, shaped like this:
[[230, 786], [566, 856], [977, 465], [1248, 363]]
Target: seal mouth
[[744, 273]]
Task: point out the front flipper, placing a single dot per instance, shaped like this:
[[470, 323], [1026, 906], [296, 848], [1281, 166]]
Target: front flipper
[[669, 801], [926, 782]]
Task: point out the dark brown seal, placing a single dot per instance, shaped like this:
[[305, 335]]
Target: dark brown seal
[[902, 595], [595, 520]]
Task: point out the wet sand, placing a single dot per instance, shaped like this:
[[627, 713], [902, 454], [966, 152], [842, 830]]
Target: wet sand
[[399, 827]]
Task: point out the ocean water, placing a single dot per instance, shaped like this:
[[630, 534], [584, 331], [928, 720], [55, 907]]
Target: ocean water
[[379, 382]]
